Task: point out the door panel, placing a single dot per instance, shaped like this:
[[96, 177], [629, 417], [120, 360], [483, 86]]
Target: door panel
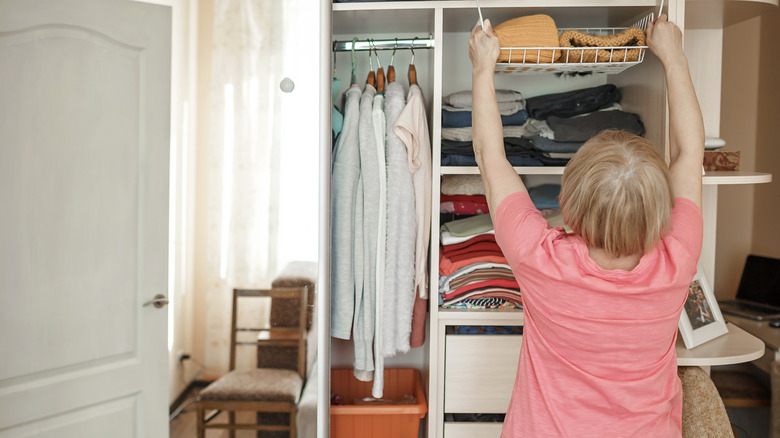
[[115, 419], [76, 175], [84, 140]]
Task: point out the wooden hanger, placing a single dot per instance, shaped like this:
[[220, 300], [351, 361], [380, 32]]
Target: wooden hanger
[[380, 73], [370, 80], [390, 68], [412, 70]]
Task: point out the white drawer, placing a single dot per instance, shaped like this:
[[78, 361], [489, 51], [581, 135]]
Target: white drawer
[[480, 372], [471, 430]]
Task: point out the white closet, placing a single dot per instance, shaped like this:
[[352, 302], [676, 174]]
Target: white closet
[[474, 374]]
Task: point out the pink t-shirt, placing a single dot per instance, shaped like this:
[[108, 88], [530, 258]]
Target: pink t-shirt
[[598, 355]]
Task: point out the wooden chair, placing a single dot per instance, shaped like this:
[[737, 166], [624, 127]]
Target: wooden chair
[[262, 390]]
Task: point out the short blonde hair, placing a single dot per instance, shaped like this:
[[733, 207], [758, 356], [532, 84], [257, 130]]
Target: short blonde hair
[[616, 194]]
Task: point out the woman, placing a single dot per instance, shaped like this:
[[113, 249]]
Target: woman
[[601, 305]]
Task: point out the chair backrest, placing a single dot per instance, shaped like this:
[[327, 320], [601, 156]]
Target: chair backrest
[[284, 312], [274, 336]]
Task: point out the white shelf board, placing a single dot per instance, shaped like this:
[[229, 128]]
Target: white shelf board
[[724, 177], [736, 346], [485, 4], [480, 317], [388, 5], [528, 170], [710, 178]]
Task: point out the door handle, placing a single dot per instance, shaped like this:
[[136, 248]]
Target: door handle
[[159, 301]]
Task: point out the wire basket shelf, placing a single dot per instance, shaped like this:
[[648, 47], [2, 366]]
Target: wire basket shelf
[[574, 60]]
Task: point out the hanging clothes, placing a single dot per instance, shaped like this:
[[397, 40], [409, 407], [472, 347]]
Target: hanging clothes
[[366, 223], [344, 179], [401, 234], [378, 116], [412, 128]]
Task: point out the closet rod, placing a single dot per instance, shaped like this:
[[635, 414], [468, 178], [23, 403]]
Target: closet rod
[[419, 43]]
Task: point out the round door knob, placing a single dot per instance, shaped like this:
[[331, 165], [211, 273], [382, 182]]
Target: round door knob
[[287, 85]]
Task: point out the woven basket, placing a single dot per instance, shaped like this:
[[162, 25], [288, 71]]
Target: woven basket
[[574, 38], [530, 31]]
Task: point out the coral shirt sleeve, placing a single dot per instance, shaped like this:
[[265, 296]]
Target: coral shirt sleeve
[[519, 227], [687, 226]]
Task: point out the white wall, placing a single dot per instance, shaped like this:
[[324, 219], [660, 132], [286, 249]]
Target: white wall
[[750, 111]]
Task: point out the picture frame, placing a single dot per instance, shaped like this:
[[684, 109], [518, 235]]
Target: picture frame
[[700, 319]]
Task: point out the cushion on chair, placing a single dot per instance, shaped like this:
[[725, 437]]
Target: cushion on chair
[[703, 413], [262, 384]]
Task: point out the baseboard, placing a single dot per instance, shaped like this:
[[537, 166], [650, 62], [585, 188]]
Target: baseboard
[[184, 395]]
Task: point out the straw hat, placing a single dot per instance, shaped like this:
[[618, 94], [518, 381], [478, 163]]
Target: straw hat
[[530, 31]]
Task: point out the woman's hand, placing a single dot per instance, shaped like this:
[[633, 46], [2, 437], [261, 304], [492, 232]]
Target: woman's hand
[[483, 48], [665, 40]]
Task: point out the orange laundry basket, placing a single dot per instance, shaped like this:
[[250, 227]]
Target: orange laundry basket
[[377, 421]]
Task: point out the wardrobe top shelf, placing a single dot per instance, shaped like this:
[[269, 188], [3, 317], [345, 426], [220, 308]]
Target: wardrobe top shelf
[[486, 4], [460, 16]]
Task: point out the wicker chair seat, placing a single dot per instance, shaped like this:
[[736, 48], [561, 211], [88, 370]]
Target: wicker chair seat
[[261, 384]]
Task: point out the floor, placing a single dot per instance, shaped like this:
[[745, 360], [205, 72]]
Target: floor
[[183, 426]]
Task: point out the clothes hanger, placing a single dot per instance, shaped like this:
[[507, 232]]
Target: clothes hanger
[[380, 73], [335, 85], [334, 63], [353, 80], [370, 80], [412, 69], [390, 68]]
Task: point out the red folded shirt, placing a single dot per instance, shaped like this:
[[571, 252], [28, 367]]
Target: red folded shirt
[[476, 239], [478, 246], [478, 285]]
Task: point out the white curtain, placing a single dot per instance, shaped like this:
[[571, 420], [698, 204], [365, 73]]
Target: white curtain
[[262, 160], [244, 161]]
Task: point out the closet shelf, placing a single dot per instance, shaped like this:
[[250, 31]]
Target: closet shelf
[[481, 316], [526, 170]]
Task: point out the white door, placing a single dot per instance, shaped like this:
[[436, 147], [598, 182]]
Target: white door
[[84, 145]]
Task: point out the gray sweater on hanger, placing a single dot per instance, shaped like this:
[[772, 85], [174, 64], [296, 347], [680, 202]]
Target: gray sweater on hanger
[[344, 179], [366, 226]]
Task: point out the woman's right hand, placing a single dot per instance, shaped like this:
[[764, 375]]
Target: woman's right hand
[[483, 48], [665, 40]]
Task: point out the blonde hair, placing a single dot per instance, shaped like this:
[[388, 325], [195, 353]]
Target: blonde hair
[[616, 194]]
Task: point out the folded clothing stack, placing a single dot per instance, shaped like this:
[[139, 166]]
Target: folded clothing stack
[[473, 271], [556, 127], [457, 147], [456, 109]]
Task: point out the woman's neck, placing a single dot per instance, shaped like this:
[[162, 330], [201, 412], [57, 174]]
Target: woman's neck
[[605, 261]]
